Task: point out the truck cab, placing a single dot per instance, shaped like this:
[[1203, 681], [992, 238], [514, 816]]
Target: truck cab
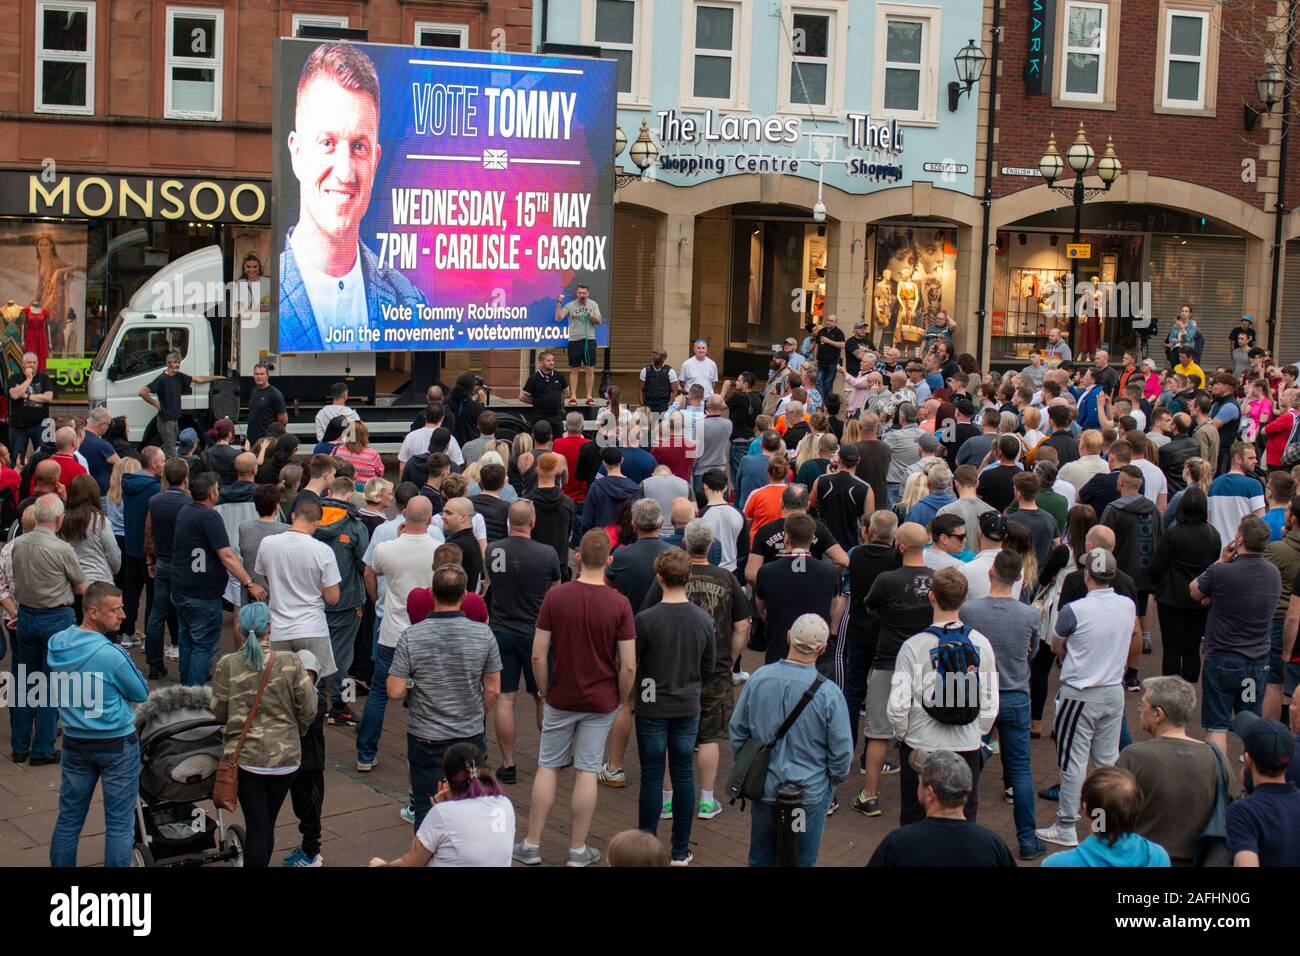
[[155, 322]]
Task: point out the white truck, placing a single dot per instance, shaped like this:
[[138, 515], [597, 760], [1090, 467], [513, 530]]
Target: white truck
[[188, 307]]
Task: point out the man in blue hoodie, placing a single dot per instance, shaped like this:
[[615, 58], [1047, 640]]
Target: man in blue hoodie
[[1112, 802], [939, 481], [137, 488], [97, 684], [607, 493], [1087, 396]]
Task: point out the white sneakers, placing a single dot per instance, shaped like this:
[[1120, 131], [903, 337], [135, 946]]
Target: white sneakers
[[1062, 834]]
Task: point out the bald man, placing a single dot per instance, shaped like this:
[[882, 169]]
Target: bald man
[[521, 571], [712, 441], [458, 526], [405, 563], [65, 448], [681, 513]]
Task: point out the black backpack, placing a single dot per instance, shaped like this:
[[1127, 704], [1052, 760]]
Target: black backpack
[[956, 695]]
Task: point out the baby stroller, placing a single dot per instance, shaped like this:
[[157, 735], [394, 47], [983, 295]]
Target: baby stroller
[[180, 747]]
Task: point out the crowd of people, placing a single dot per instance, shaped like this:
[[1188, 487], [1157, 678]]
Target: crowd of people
[[911, 544]]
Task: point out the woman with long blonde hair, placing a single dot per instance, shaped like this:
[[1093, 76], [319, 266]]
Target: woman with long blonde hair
[[1196, 471], [852, 432], [917, 487]]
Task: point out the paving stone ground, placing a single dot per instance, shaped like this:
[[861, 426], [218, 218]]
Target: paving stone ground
[[361, 809]]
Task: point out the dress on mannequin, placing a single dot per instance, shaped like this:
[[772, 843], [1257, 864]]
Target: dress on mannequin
[[1090, 328], [34, 339]]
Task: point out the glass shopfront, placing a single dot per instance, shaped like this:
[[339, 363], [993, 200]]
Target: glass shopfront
[[911, 275], [778, 281]]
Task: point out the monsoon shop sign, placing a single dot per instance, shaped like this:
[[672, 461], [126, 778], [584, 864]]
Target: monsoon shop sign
[[97, 196]]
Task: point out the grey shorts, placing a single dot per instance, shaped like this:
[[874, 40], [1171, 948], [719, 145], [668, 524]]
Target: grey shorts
[[320, 646], [573, 736], [879, 683]]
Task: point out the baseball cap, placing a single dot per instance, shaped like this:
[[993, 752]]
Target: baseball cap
[[993, 526], [928, 442], [808, 633], [964, 405], [943, 771], [1101, 564], [188, 438], [1267, 741], [861, 325], [791, 340], [309, 661]]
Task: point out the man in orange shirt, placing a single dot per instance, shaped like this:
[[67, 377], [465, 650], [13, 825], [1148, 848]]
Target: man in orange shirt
[[764, 505]]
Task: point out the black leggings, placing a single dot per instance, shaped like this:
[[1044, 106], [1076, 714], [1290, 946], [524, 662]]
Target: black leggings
[[1040, 669], [260, 797], [1181, 630]]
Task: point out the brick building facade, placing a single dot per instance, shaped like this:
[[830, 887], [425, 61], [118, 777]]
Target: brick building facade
[[1192, 215]]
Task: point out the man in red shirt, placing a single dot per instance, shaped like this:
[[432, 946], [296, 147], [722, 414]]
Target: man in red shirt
[[569, 446], [65, 447], [590, 625]]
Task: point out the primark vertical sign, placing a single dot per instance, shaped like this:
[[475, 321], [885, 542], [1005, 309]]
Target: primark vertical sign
[[1038, 52]]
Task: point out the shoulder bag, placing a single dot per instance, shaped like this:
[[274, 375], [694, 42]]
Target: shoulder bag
[[749, 774], [1212, 845], [225, 791]]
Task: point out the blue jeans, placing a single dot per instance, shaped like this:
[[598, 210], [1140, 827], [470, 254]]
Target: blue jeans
[[425, 760], [114, 763], [1230, 684], [162, 608], [674, 736], [855, 683], [35, 628], [739, 448], [893, 492], [1013, 737], [372, 718], [826, 379], [764, 822], [19, 436], [200, 622]]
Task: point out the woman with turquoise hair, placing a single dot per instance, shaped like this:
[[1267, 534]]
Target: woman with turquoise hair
[[271, 750]]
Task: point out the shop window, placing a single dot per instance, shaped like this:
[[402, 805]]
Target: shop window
[[445, 36], [714, 40], [812, 59], [778, 281], [194, 63], [318, 20], [65, 57], [1088, 54], [911, 276], [907, 50], [1188, 48]]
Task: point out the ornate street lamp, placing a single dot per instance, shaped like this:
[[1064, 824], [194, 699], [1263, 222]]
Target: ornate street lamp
[[970, 61], [643, 154]]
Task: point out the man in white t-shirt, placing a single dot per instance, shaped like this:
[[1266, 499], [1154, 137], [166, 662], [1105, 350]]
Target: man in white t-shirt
[[405, 563], [993, 532], [302, 576], [417, 442], [1094, 637], [699, 369], [338, 407]]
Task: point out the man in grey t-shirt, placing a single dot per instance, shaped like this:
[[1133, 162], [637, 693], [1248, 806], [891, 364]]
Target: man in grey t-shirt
[[1012, 628], [449, 670], [712, 441], [583, 315]]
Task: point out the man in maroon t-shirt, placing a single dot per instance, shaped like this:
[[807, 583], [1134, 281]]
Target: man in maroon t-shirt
[[591, 628]]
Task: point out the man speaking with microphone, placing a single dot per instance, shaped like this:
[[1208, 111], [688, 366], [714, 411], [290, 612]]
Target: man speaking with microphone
[[583, 315]]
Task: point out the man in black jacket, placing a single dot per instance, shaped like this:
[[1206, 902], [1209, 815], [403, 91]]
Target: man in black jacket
[[1062, 437], [1174, 455], [554, 511]]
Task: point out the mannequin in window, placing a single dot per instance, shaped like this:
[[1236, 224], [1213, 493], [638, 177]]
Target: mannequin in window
[[907, 297], [35, 339], [884, 300], [1090, 328], [11, 338], [71, 336]]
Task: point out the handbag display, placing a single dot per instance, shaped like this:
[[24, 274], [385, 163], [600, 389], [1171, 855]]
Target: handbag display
[[225, 791], [749, 774]]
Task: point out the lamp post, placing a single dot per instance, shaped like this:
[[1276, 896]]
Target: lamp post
[[1079, 156], [643, 154]]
